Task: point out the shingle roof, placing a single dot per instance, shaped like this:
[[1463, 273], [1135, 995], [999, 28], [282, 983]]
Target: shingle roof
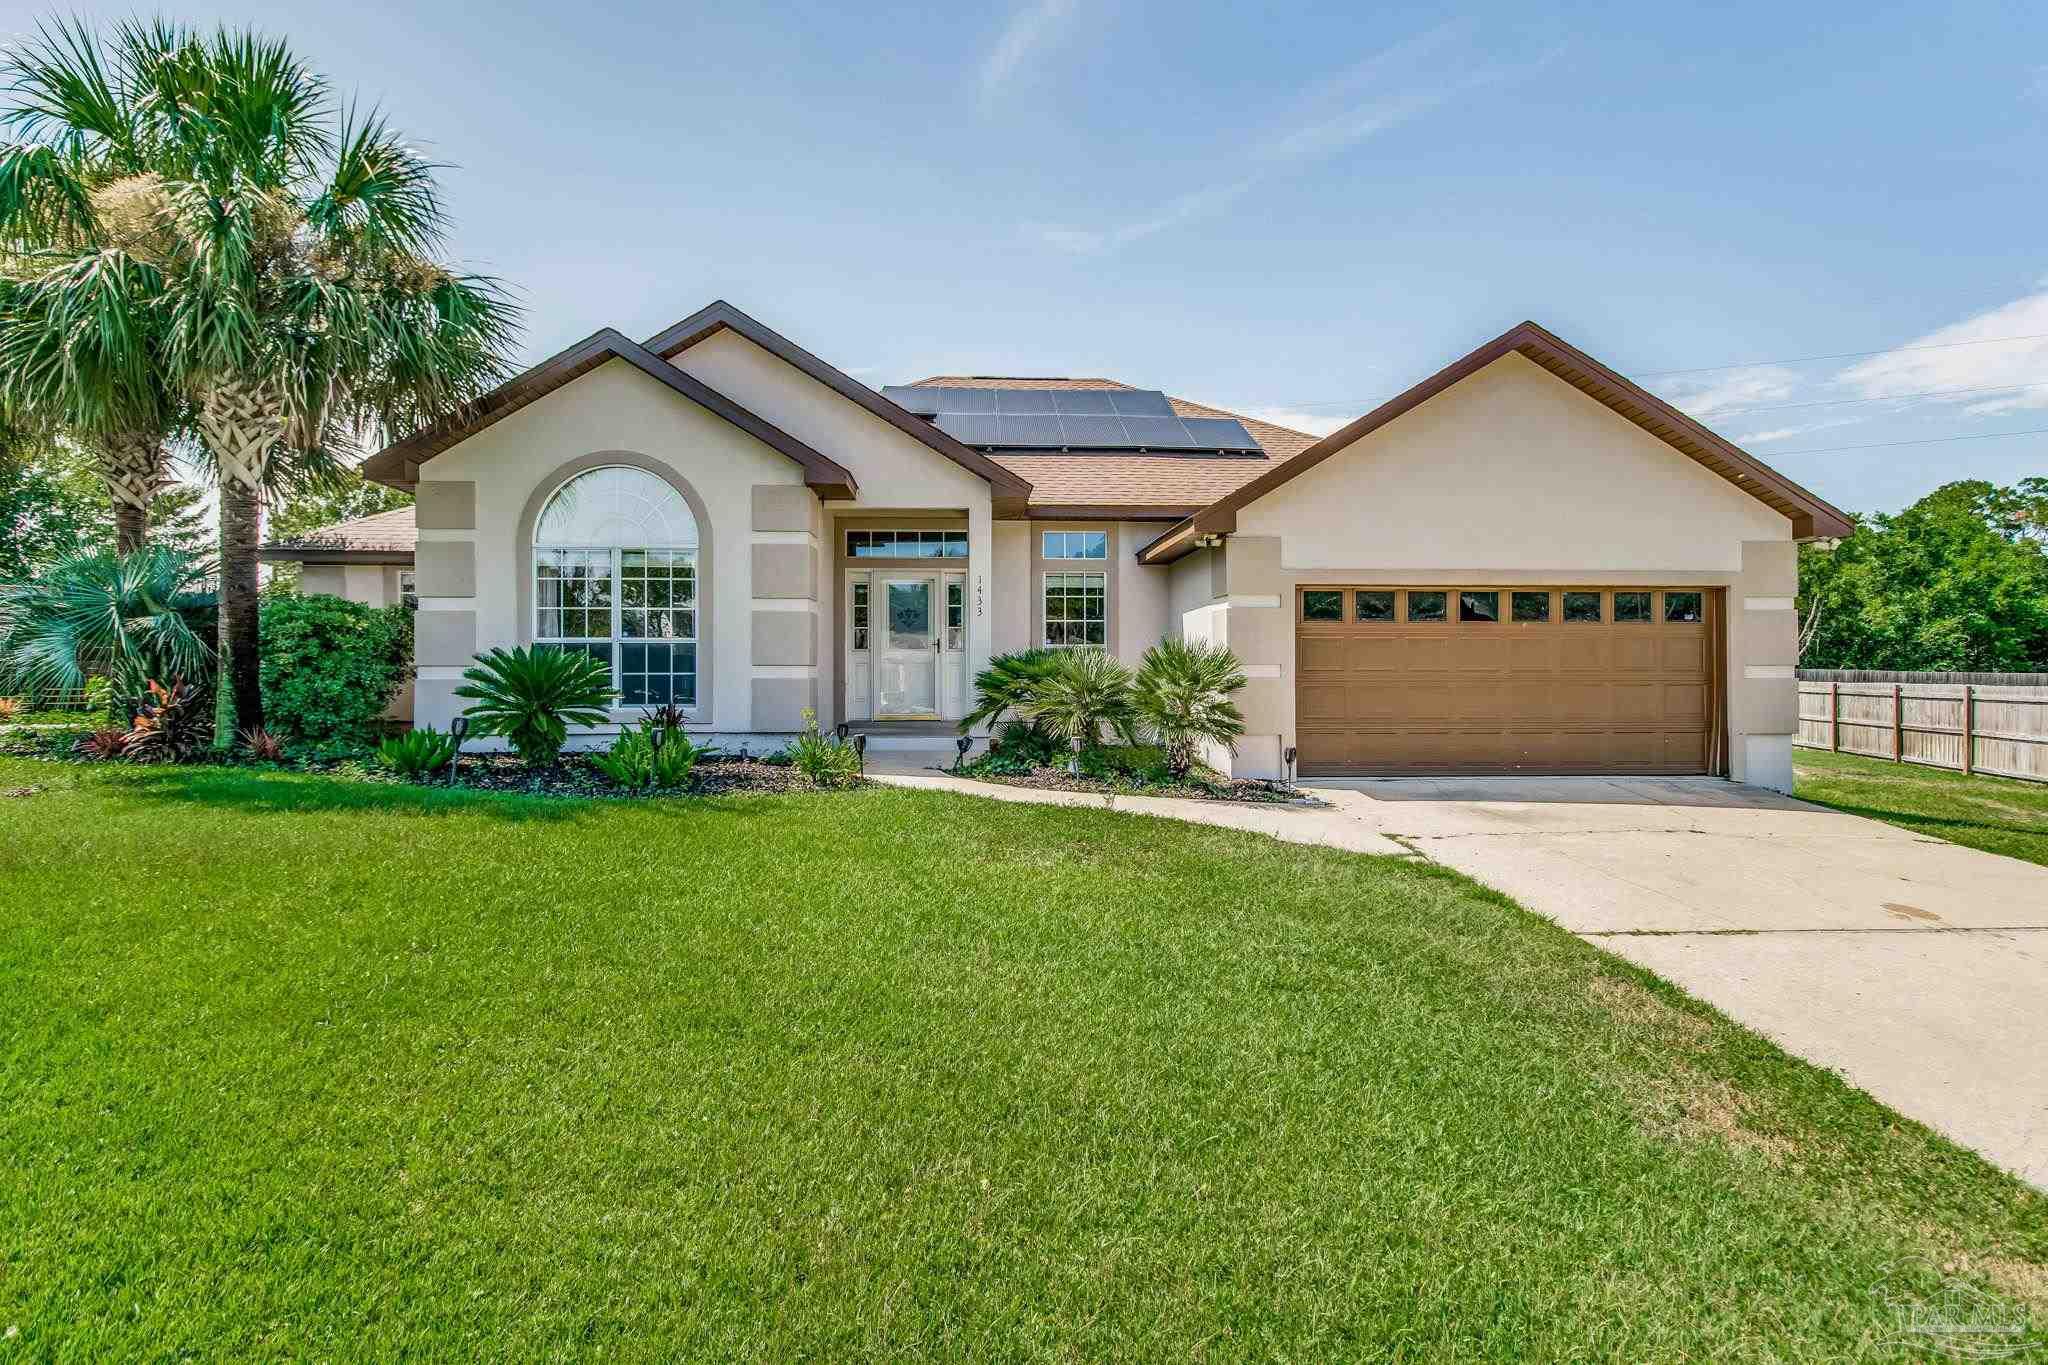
[[1137, 482], [391, 531]]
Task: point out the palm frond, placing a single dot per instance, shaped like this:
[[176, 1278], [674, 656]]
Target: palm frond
[[45, 195], [122, 617], [75, 341], [381, 197], [65, 92]]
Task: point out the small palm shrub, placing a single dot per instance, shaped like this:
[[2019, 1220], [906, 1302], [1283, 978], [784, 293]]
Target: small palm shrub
[[418, 752], [102, 744], [824, 760], [1088, 693], [261, 745], [1182, 695], [129, 618], [532, 697], [1008, 686], [171, 724], [651, 756]]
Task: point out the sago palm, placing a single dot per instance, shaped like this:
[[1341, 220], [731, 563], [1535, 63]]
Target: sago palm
[[281, 247], [1182, 695], [1088, 693]]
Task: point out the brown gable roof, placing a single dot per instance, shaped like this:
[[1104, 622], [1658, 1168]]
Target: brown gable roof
[[1121, 484], [1008, 489], [398, 465], [1811, 517], [380, 538]]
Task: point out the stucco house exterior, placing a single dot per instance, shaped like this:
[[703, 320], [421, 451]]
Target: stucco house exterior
[[1524, 563]]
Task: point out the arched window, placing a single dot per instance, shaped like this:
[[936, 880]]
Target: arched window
[[615, 577]]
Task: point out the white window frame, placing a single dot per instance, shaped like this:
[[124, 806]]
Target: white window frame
[[1066, 546], [1046, 619], [618, 639]]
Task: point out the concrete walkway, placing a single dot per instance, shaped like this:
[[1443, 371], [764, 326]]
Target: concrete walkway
[[1916, 968]]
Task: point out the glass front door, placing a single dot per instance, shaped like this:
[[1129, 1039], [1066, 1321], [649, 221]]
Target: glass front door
[[907, 654]]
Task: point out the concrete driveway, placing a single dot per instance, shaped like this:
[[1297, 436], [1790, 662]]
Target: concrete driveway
[[1916, 968]]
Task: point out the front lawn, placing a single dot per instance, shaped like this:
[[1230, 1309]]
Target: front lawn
[[1997, 814], [296, 1066]]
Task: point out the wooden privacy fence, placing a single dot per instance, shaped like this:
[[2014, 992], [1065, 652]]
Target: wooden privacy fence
[[1961, 725]]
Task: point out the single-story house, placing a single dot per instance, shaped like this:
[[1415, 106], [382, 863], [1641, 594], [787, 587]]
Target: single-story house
[[1523, 564]]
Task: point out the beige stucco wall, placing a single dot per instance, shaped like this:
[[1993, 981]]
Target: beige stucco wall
[[895, 473], [614, 408], [1512, 477]]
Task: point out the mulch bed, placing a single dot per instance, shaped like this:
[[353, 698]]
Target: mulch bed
[[575, 776], [1240, 789]]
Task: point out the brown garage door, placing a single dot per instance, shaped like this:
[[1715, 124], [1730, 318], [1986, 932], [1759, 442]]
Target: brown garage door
[[1506, 680]]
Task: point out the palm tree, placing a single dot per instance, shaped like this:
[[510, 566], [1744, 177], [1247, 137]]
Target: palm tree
[[1182, 695], [281, 247], [1008, 685], [1087, 693], [123, 617], [69, 367]]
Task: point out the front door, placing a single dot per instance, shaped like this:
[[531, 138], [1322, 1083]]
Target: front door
[[907, 655]]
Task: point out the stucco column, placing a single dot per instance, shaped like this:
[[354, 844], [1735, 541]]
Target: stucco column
[[1763, 655], [981, 603]]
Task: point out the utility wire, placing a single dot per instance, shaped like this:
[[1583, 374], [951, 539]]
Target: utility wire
[[1925, 441]]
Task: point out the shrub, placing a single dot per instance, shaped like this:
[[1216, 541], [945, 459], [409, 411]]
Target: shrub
[[417, 752], [102, 744], [1182, 695], [1141, 763], [99, 696], [1009, 685], [261, 745], [825, 761], [171, 724], [651, 754], [328, 666], [1017, 750], [532, 697], [1087, 693], [131, 618]]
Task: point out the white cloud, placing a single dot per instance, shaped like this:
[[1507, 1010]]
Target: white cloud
[[1030, 30], [1704, 396], [1328, 120], [1784, 433], [1968, 358], [1314, 423]]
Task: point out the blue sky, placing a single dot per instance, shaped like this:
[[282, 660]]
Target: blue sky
[[1279, 209]]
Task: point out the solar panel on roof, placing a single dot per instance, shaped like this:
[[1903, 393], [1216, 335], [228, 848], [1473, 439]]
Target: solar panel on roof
[[1040, 430], [1219, 433], [1159, 433], [1076, 419], [1100, 433], [1082, 402], [1140, 403], [971, 428], [1024, 402]]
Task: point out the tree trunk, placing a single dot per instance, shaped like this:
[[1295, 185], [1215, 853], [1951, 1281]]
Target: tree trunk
[[131, 528], [239, 704], [242, 424], [133, 467]]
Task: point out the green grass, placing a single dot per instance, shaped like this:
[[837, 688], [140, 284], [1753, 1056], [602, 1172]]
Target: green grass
[[1996, 814], [293, 1066]]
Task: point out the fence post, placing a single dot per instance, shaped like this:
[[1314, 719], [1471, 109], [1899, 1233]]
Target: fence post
[[1898, 725], [1835, 717], [1969, 729]]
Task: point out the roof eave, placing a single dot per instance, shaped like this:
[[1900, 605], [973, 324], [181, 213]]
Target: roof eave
[[1004, 485], [327, 554]]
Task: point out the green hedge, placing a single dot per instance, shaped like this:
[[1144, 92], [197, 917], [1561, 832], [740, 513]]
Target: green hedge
[[329, 665]]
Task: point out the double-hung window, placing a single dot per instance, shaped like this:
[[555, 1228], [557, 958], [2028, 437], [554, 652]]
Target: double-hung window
[[1076, 603], [615, 577]]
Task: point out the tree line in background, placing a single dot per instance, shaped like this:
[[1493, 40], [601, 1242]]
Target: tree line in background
[[1956, 582], [207, 263]]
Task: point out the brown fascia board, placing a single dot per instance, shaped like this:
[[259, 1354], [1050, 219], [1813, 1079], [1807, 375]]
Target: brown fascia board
[[398, 465], [317, 554], [1811, 517], [1109, 511], [1010, 491]]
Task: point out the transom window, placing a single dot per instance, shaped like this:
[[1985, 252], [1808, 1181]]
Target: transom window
[[1074, 545], [906, 544], [1486, 607], [615, 577], [1076, 610]]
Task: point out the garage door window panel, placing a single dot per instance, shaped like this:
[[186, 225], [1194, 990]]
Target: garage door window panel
[[1373, 606], [1428, 607]]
